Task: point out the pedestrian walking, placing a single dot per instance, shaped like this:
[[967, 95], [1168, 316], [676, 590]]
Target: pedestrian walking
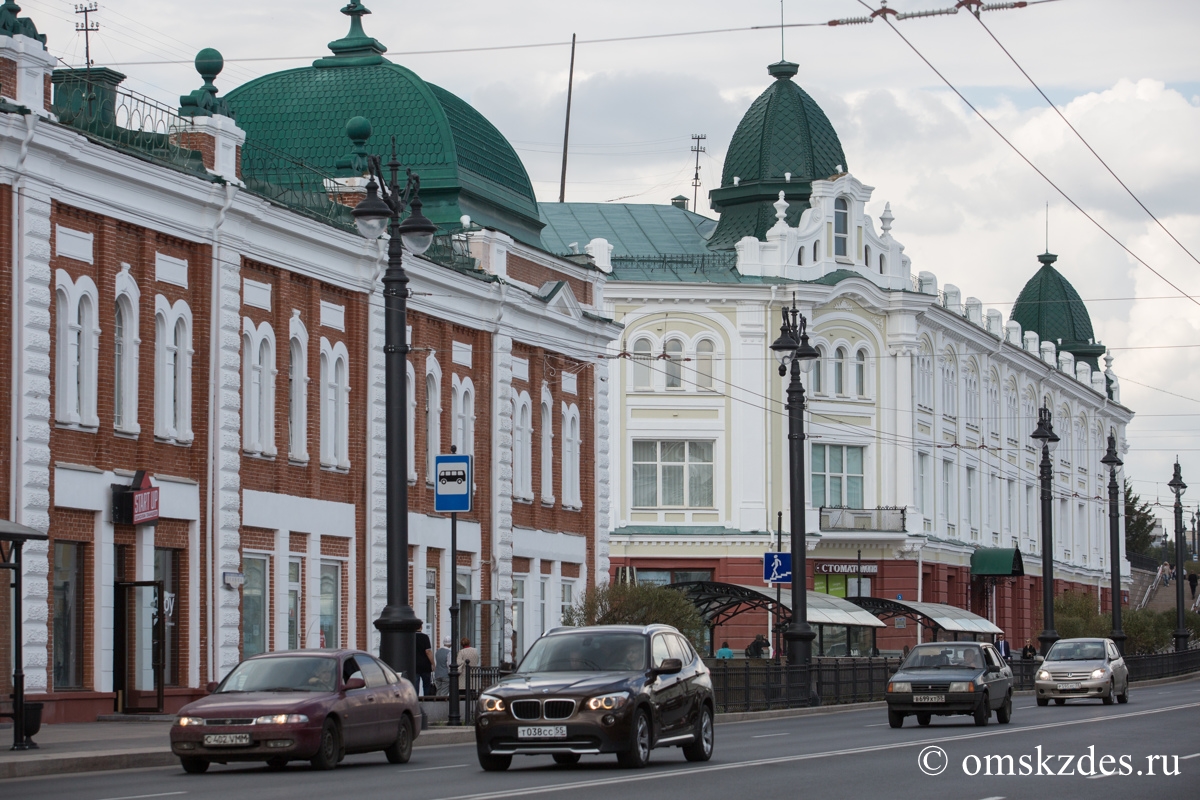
[[424, 665], [725, 652], [1002, 646], [441, 668], [759, 648], [467, 655], [1192, 580], [1028, 651]]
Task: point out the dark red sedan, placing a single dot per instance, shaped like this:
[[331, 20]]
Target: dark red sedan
[[301, 705]]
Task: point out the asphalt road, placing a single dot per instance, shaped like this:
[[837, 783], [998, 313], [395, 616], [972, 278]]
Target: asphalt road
[[838, 754]]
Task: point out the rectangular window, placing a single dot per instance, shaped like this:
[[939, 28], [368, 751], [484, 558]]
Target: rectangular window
[[255, 597], [672, 474], [837, 476], [568, 598], [294, 595], [993, 508], [1011, 507], [662, 577], [166, 569], [543, 595], [923, 484], [971, 519], [948, 491], [1027, 523], [331, 603], [518, 617], [68, 615]]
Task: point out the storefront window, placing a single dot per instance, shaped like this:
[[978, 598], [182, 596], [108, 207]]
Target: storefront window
[[68, 616], [254, 606], [294, 595], [331, 604], [518, 618], [662, 577], [166, 570]]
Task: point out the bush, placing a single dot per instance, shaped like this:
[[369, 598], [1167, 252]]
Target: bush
[[1147, 631], [636, 604], [1075, 616]]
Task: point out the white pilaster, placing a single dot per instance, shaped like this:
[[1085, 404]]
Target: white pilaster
[[376, 573], [103, 576], [745, 454], [502, 480], [280, 595], [603, 477], [311, 638], [227, 533]]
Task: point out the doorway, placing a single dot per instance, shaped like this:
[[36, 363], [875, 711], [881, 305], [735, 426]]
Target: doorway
[[139, 642]]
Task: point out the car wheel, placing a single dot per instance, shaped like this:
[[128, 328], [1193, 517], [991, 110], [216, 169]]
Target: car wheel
[[566, 758], [701, 749], [638, 754], [895, 719], [1123, 697], [329, 750], [983, 713], [1060, 701], [1112, 693], [924, 718], [400, 751], [276, 763], [193, 765], [493, 763], [1004, 712]]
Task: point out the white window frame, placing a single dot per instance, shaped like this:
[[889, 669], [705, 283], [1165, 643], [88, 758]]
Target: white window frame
[[925, 378], [571, 446], [839, 371], [641, 376], [547, 442], [433, 416], [523, 447], [949, 385], [971, 409], [706, 359], [462, 404], [258, 388], [298, 389], [125, 365], [172, 371], [335, 405], [841, 238], [686, 464], [860, 373], [817, 370], [672, 355], [77, 351]]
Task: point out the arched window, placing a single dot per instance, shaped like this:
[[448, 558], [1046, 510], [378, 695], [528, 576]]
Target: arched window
[[993, 422], [641, 364], [867, 255], [816, 251], [570, 457], [674, 362], [119, 328], [800, 255], [410, 394], [860, 374], [173, 363], [1081, 443], [77, 353], [465, 424], [839, 371], [335, 405], [882, 265], [972, 409], [1028, 417], [297, 389], [949, 385], [925, 378], [547, 457], [433, 425], [125, 354], [1012, 403], [523, 447], [181, 405], [841, 226], [818, 369], [258, 388], [341, 416], [704, 364]]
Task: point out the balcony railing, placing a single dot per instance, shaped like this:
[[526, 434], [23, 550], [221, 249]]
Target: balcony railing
[[841, 518]]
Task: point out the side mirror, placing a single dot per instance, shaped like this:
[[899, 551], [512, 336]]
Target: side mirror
[[670, 666], [210, 687], [355, 683], [993, 668]]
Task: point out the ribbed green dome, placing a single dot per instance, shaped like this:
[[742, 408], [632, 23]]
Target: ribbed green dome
[[466, 165], [1050, 306], [784, 131]]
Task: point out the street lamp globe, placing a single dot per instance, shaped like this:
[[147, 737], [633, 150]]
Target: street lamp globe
[[1044, 433], [1177, 486], [417, 231], [372, 214]]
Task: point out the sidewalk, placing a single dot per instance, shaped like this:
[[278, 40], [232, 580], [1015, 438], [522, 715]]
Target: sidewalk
[[140, 743]]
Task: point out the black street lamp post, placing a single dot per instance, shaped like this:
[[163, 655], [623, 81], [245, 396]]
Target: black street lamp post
[[792, 349], [1112, 461], [381, 209], [1045, 436], [1178, 487]]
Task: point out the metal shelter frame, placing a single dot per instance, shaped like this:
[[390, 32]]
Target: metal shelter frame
[[931, 616], [12, 539]]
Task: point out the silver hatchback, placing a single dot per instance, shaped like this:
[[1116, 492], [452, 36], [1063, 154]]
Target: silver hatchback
[[1082, 669]]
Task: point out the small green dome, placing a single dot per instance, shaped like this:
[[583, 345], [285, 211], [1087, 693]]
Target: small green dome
[[466, 165], [784, 133], [1050, 307]]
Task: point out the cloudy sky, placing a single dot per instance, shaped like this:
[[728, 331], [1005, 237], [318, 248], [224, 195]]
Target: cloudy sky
[[967, 208]]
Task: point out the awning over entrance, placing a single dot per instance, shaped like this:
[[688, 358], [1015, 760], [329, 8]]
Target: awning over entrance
[[1000, 562], [718, 602], [935, 616]]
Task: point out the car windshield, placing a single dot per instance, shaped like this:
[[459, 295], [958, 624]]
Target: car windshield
[[944, 655], [286, 674], [1076, 651], [586, 652]]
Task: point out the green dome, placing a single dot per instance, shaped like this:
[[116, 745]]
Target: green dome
[[1050, 306], [466, 165], [784, 131]]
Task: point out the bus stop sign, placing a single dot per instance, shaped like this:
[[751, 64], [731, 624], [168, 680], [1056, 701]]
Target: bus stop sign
[[452, 488]]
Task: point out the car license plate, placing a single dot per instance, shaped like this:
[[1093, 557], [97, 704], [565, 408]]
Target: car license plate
[[226, 739], [542, 732], [1064, 687], [929, 698]]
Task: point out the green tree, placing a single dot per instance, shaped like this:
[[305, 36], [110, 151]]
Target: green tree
[[1139, 522], [636, 604]]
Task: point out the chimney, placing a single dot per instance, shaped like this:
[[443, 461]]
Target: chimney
[[679, 201]]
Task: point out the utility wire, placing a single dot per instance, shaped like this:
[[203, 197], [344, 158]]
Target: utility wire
[[1091, 150], [1024, 158]]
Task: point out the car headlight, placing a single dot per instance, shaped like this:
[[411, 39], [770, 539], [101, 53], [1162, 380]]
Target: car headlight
[[608, 702], [187, 721], [281, 719], [491, 703], [899, 686], [1043, 675], [1098, 674], [962, 686]]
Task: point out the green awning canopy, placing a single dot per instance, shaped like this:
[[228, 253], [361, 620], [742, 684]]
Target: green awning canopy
[[997, 561]]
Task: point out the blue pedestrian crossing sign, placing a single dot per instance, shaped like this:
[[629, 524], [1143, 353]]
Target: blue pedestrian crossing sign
[[777, 567], [452, 486]]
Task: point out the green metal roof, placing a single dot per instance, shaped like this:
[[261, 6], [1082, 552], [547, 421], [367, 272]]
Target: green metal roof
[[1050, 306], [784, 131], [466, 165], [999, 561], [632, 229]]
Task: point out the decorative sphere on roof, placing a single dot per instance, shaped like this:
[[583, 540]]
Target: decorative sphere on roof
[[358, 129], [209, 63]]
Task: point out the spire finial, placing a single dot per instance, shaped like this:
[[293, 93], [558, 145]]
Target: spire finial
[[355, 48]]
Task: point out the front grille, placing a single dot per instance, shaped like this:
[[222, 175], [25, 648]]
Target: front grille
[[526, 709], [1071, 676], [237, 721], [931, 687], [558, 709]]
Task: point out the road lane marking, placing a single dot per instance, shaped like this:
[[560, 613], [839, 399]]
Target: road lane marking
[[769, 735], [764, 762], [997, 797], [877, 725], [1022, 708], [431, 769], [141, 796], [1193, 755]]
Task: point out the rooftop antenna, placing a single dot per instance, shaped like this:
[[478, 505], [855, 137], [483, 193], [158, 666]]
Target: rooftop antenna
[[1047, 226], [562, 184], [781, 50], [697, 148], [87, 27]]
